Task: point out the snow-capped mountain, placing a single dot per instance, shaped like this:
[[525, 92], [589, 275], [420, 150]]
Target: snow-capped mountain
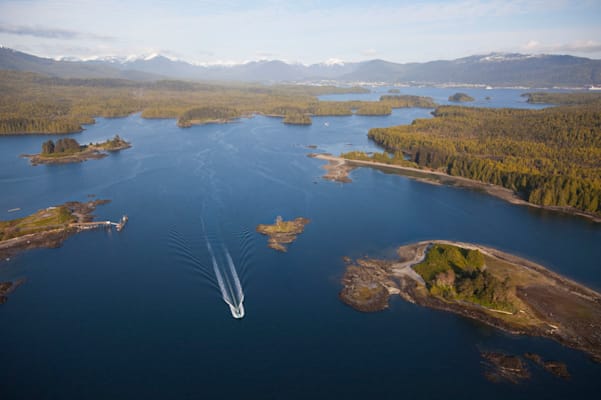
[[498, 69]]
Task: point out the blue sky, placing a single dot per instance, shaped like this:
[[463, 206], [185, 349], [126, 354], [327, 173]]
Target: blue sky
[[211, 31]]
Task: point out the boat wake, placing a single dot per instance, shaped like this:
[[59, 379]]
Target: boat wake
[[221, 272]]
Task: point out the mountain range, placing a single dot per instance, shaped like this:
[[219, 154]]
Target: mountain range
[[495, 69]]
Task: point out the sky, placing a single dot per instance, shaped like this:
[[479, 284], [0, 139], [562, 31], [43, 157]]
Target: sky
[[227, 31]]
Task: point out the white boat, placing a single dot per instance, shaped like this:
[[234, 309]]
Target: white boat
[[593, 87]]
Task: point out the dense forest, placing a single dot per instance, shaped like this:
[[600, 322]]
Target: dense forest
[[455, 273], [207, 114], [563, 98], [33, 103], [550, 157], [68, 146]]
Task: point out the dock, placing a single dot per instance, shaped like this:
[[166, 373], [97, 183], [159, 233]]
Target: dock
[[100, 224]]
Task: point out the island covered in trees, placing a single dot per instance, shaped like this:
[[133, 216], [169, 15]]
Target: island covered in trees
[[496, 288], [68, 150], [461, 98]]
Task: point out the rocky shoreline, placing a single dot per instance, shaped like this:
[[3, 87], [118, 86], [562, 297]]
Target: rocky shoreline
[[338, 169], [548, 302], [50, 236]]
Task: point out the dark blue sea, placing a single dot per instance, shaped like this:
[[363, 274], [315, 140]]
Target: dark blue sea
[[132, 314]]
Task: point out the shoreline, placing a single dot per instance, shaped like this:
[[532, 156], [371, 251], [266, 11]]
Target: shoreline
[[54, 235], [548, 301], [337, 166], [91, 152]]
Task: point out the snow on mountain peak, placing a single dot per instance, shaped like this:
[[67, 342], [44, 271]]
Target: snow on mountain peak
[[333, 61]]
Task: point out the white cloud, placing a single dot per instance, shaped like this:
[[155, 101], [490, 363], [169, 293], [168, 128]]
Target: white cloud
[[578, 47], [369, 52]]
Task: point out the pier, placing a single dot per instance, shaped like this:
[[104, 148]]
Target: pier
[[99, 224]]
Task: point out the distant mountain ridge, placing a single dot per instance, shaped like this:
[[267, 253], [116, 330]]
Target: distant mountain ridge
[[495, 69]]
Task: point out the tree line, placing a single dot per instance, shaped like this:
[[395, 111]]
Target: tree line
[[551, 157]]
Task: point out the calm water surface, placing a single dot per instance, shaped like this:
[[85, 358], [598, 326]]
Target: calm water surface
[[119, 315]]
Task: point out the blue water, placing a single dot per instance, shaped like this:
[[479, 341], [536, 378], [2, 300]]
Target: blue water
[[116, 315]]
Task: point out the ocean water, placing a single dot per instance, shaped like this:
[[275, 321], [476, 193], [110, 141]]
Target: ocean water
[[123, 315]]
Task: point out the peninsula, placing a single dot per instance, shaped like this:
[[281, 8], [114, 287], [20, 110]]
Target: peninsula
[[68, 150], [282, 233], [49, 227], [481, 283], [338, 169], [541, 155]]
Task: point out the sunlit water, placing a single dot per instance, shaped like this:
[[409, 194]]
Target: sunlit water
[[138, 314]]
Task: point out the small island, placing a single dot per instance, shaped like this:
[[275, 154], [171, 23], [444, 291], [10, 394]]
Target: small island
[[208, 115], [461, 98], [297, 119], [502, 367], [68, 150], [51, 226], [481, 283], [282, 232]]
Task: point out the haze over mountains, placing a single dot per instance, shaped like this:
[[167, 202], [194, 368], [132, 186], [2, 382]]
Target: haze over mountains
[[495, 69]]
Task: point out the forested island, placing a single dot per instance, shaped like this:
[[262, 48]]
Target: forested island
[[207, 115], [461, 98], [549, 157], [48, 227], [68, 150], [496, 288]]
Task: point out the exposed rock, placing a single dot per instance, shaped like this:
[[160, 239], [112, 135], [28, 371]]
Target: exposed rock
[[504, 368]]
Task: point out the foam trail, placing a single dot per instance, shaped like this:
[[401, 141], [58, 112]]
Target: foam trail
[[237, 284], [232, 294]]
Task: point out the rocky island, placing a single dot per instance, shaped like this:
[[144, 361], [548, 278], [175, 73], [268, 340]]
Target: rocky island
[[481, 283], [502, 367], [68, 150], [282, 232], [49, 227]]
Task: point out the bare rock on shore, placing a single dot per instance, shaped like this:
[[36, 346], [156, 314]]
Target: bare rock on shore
[[502, 367], [8, 287]]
